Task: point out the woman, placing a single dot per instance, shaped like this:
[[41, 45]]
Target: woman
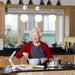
[[35, 48]]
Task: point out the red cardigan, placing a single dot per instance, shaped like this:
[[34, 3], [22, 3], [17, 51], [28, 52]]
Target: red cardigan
[[27, 48]]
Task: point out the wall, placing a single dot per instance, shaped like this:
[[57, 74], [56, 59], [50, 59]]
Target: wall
[[36, 2], [69, 39]]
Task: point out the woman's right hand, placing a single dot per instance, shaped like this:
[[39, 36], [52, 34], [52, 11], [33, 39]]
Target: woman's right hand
[[26, 55]]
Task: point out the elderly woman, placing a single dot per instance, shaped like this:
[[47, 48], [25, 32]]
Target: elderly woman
[[35, 48]]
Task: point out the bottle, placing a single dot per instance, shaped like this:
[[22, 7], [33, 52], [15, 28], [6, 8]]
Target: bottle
[[73, 47], [41, 2], [69, 49], [30, 2], [8, 2], [66, 47], [49, 2], [58, 2], [20, 2]]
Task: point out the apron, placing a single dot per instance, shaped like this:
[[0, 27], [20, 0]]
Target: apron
[[37, 52]]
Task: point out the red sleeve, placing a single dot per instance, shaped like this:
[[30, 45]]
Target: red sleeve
[[25, 48], [20, 53], [48, 52]]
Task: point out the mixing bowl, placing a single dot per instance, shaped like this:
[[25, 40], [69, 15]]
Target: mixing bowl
[[34, 61]]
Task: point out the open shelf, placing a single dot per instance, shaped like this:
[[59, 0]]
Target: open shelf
[[33, 6]]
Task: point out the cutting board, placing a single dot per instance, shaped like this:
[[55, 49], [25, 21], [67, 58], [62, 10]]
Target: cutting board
[[37, 66]]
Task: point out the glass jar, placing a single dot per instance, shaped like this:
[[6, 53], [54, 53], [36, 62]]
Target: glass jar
[[41, 2], [49, 2], [20, 2], [8, 2]]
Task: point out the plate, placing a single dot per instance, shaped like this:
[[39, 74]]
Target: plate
[[23, 67], [19, 67]]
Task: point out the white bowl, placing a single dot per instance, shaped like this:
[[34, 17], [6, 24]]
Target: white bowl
[[34, 61]]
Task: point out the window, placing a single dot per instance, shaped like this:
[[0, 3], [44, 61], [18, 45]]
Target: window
[[11, 30], [49, 29], [16, 31], [48, 23]]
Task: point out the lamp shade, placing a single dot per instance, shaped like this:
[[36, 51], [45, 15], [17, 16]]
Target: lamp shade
[[24, 18], [52, 17], [38, 18]]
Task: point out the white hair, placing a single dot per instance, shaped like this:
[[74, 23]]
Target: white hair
[[36, 29]]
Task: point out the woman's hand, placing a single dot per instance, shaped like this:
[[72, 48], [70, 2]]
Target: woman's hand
[[26, 55], [43, 60]]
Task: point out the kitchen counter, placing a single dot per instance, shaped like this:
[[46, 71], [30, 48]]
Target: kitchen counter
[[52, 54], [2, 70], [5, 54]]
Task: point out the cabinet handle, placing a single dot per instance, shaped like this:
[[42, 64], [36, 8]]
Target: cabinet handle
[[71, 74], [66, 74]]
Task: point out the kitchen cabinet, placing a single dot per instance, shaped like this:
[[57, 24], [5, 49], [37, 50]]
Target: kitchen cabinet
[[28, 73], [2, 22], [72, 72], [68, 72], [46, 73], [56, 73], [70, 22], [65, 58]]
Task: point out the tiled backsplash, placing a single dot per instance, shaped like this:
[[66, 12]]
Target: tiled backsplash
[[69, 39]]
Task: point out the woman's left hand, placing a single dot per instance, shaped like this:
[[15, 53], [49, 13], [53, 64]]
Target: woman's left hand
[[43, 60]]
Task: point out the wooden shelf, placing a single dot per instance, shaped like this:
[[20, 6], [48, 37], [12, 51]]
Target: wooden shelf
[[3, 5], [33, 6], [41, 6]]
